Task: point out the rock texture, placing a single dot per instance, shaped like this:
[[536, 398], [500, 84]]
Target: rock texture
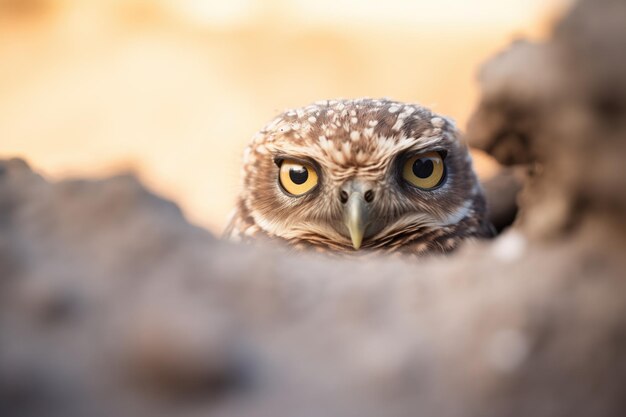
[[112, 304]]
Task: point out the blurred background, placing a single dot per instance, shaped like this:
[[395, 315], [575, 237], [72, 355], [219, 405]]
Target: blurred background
[[174, 89]]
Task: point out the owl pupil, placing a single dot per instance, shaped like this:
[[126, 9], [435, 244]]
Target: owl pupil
[[423, 168], [298, 175]]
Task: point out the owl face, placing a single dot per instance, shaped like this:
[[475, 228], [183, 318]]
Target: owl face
[[359, 174]]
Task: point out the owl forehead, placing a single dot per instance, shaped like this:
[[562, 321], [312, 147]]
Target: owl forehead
[[348, 134]]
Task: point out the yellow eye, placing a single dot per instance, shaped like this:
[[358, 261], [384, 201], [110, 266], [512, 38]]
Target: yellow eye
[[296, 177], [424, 170]]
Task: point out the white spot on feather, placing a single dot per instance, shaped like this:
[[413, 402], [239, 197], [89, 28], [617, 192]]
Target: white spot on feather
[[355, 135], [422, 247], [345, 148], [408, 110], [338, 156], [398, 125], [437, 122]]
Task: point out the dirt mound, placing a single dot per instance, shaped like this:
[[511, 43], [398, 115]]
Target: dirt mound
[[112, 304]]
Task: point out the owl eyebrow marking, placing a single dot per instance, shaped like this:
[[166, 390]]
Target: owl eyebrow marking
[[426, 144], [409, 153], [280, 158]]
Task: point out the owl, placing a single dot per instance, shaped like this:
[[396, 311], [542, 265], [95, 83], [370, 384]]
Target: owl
[[356, 176]]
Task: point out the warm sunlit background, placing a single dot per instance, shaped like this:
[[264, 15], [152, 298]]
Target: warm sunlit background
[[173, 89]]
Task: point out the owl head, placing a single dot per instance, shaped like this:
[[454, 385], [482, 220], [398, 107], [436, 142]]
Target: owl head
[[362, 174]]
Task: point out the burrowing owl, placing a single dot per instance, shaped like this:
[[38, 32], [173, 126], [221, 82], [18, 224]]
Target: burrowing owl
[[350, 175]]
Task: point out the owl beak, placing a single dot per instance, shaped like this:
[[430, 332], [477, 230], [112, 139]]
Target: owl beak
[[356, 218]]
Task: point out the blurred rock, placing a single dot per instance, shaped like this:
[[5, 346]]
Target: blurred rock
[[111, 303], [560, 107], [501, 191]]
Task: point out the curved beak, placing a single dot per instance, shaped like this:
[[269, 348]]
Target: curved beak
[[356, 217]]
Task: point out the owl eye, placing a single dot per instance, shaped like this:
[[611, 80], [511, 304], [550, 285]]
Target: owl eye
[[424, 171], [296, 177]]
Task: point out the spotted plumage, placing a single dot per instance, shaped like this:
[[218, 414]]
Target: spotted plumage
[[360, 175]]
